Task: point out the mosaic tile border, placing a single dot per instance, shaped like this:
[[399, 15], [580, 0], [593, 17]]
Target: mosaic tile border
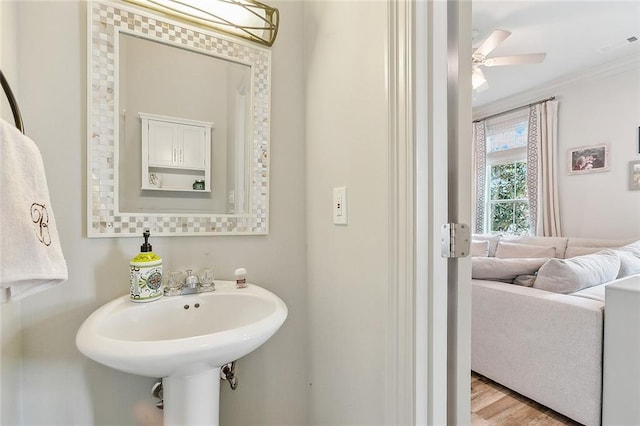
[[103, 219]]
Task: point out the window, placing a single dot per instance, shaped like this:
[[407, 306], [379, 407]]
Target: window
[[507, 203], [513, 162]]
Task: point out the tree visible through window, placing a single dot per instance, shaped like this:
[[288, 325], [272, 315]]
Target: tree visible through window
[[508, 203]]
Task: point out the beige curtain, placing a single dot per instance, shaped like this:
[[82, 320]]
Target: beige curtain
[[542, 150]]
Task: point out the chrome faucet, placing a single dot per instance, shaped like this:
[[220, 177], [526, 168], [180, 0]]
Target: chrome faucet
[[191, 283]]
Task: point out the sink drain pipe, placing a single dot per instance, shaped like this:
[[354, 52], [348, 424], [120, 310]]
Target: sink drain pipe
[[227, 372], [157, 392]]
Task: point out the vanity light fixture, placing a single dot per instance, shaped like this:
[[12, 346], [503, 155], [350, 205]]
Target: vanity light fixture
[[249, 19]]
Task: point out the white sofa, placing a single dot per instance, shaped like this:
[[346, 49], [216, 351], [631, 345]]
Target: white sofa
[[546, 345]]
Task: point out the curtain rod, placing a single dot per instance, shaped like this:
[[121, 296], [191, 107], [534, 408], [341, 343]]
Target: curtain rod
[[515, 109]]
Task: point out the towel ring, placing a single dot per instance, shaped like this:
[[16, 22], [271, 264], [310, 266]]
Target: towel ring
[[17, 117]]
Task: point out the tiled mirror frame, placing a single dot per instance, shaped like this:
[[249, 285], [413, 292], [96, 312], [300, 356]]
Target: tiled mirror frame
[[106, 20]]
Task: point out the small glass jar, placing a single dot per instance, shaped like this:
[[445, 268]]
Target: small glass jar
[[174, 281], [206, 280]]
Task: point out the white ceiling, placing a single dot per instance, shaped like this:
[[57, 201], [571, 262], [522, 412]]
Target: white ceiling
[[576, 35]]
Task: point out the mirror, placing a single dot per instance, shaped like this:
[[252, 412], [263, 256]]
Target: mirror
[[144, 68], [202, 89]]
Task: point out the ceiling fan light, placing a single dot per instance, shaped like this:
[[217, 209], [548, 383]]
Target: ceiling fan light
[[477, 79]]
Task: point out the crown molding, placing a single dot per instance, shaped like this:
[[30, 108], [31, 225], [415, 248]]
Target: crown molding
[[549, 89]]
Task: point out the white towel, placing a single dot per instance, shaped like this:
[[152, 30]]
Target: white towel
[[31, 258]]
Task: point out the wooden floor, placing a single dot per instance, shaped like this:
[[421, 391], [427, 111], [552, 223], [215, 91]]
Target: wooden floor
[[493, 404]]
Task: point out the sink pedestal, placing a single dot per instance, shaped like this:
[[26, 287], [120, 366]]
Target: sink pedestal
[[193, 399]]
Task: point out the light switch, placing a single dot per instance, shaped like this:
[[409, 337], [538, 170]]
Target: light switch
[[340, 205]]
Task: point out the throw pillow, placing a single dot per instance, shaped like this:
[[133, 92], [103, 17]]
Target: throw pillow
[[493, 241], [570, 275], [559, 243], [581, 251], [509, 250], [525, 280], [479, 248], [598, 242], [493, 268], [629, 259]]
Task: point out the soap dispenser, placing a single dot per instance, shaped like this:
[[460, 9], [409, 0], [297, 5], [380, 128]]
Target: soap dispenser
[[145, 276]]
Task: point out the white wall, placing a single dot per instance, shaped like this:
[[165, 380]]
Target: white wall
[[598, 106], [347, 145], [10, 335], [61, 386], [604, 110]]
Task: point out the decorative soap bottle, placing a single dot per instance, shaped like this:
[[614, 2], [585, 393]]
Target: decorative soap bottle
[[145, 276]]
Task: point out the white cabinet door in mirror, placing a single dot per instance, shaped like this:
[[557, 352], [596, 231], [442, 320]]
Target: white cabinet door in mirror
[[160, 138], [195, 146]]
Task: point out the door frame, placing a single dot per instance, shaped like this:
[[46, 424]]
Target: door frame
[[429, 326]]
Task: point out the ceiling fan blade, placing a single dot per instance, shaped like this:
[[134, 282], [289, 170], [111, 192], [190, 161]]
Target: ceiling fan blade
[[532, 58], [491, 42]]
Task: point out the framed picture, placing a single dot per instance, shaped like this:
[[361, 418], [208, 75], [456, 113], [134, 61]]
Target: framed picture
[[588, 159], [634, 175]]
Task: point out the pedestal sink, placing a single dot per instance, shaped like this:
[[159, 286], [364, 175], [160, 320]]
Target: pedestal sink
[[184, 340]]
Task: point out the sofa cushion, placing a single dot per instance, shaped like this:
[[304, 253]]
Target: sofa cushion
[[629, 259], [596, 242], [479, 248], [573, 274], [559, 243], [494, 268], [581, 251], [493, 241], [509, 250], [595, 292]]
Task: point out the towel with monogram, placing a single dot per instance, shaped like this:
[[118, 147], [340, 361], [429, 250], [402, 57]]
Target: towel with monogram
[[31, 258]]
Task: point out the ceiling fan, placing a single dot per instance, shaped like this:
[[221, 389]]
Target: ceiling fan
[[479, 58]]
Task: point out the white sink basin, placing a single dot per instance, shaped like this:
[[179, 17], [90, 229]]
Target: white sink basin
[[182, 338], [181, 334]]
